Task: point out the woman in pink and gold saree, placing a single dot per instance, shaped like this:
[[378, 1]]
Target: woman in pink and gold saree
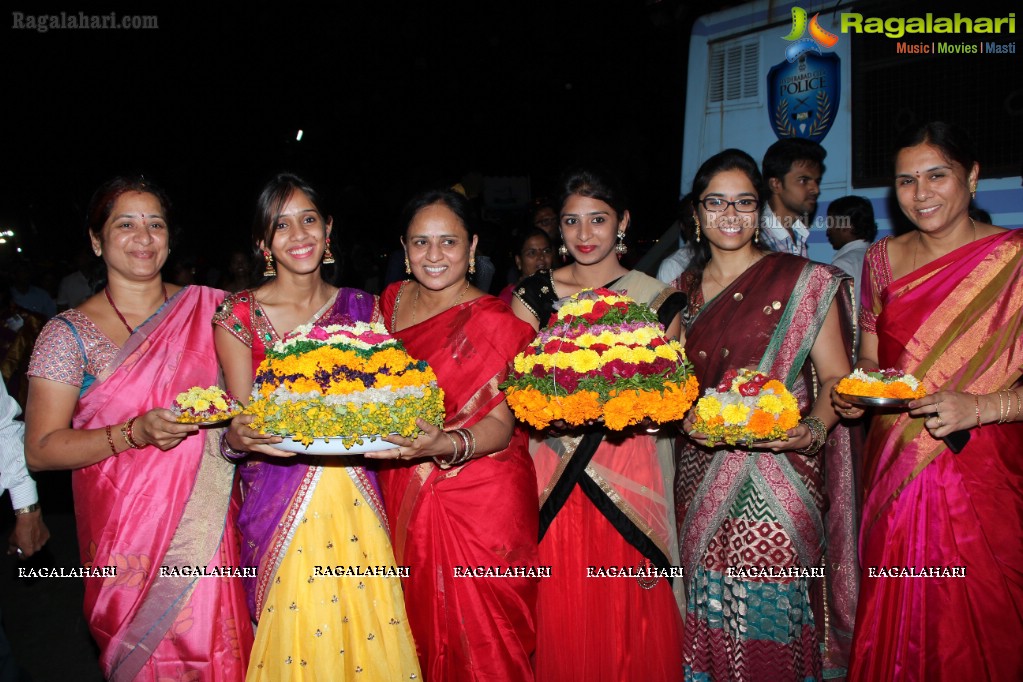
[[765, 530], [461, 498], [940, 546], [153, 498]]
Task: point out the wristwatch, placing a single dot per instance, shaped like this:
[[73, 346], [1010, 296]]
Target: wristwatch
[[34, 507]]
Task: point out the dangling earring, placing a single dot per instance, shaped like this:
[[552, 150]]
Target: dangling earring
[[620, 248], [756, 235], [563, 252], [328, 257], [696, 220], [408, 268], [472, 265], [270, 270], [973, 190]]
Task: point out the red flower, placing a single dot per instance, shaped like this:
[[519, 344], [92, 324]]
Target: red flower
[[749, 389], [567, 379], [599, 347], [599, 310]]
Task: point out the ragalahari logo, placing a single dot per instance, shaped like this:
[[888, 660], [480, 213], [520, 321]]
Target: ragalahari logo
[[819, 38]]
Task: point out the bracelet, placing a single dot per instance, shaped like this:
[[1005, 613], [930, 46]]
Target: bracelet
[[1001, 417], [1016, 393], [128, 435], [226, 451], [472, 437], [818, 435], [34, 507], [470, 447], [110, 440], [449, 462], [976, 402]]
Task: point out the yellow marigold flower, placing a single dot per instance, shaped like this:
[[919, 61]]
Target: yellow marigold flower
[[581, 360], [666, 352], [735, 414], [770, 403], [708, 407]]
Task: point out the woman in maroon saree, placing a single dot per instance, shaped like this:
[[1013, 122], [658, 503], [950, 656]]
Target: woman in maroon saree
[[449, 515], [778, 507], [149, 492], [945, 303]]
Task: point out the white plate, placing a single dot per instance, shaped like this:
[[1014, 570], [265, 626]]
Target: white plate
[[333, 446]]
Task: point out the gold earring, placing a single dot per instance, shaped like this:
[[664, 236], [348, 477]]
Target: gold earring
[[408, 267], [270, 270], [620, 248], [696, 220], [756, 235], [472, 265], [563, 251], [328, 257], [973, 190]]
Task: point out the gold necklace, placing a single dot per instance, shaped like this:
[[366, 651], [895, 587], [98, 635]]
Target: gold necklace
[[920, 238], [415, 301]]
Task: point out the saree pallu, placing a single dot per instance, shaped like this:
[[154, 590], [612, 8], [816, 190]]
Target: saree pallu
[[605, 503], [481, 514], [745, 512], [956, 323], [145, 509], [301, 518]]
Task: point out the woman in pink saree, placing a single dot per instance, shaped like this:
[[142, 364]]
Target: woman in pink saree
[[150, 493], [941, 547]]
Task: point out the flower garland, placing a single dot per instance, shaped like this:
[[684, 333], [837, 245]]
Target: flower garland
[[885, 383], [603, 356], [343, 381], [746, 406]]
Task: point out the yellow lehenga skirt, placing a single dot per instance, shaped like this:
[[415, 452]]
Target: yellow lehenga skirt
[[315, 627]]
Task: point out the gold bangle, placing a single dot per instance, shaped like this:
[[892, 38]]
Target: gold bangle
[[976, 402], [999, 408], [1016, 393]]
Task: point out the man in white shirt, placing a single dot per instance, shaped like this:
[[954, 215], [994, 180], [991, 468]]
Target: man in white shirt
[[792, 169], [851, 231], [30, 533]]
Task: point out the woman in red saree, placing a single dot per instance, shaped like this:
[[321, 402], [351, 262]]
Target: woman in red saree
[[149, 493], [758, 526], [945, 303], [605, 497], [463, 510]]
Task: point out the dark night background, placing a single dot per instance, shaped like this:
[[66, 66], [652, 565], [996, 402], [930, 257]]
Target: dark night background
[[390, 98]]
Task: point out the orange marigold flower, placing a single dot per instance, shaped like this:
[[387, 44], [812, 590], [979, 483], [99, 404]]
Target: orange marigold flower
[[760, 423]]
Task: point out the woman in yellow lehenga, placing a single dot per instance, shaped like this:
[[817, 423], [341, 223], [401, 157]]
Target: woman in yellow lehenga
[[305, 520]]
